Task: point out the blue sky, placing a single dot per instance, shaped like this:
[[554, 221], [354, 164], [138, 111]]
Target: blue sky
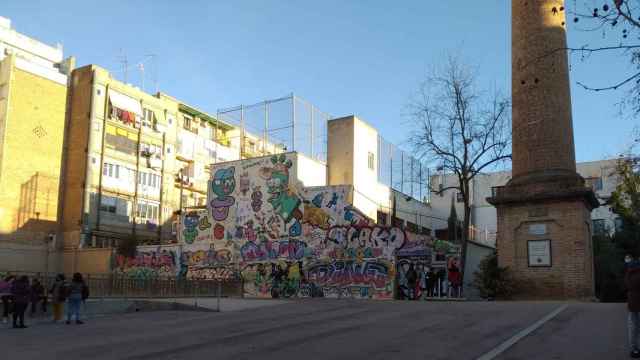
[[347, 57]]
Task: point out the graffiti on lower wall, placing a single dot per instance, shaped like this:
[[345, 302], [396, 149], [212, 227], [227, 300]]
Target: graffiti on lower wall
[[149, 262]]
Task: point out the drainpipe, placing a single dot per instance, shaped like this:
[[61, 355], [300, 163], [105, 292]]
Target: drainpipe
[[87, 175]]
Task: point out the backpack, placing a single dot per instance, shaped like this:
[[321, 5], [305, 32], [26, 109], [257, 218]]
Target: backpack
[[85, 292]]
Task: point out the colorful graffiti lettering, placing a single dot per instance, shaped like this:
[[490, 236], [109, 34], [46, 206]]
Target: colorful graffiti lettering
[[272, 250], [369, 279], [221, 273], [385, 238], [149, 264]]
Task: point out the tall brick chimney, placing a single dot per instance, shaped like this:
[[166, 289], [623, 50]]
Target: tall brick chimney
[[544, 212]]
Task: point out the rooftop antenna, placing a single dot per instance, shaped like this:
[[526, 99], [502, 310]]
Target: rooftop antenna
[[155, 70], [141, 68], [125, 64]]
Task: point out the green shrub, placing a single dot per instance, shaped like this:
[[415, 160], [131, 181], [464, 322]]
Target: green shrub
[[493, 281]]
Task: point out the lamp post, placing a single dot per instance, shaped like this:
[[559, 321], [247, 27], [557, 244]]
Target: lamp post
[[180, 176]]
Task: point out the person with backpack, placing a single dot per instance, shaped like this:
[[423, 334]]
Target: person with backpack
[[58, 297], [21, 295], [77, 293]]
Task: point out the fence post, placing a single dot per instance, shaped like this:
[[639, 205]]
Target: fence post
[[195, 301]]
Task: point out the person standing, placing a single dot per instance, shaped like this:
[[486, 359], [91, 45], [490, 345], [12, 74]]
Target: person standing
[[58, 297], [454, 278], [21, 296], [412, 279], [5, 295], [78, 292], [421, 287], [632, 283], [432, 280], [37, 295]]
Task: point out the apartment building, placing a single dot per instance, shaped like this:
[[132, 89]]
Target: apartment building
[[132, 160], [33, 95]]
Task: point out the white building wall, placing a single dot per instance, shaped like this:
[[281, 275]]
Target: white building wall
[[310, 172], [32, 55], [483, 214]]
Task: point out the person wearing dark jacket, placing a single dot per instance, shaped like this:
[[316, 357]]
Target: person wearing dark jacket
[[412, 278], [58, 297], [21, 295], [37, 295], [632, 283], [77, 293]]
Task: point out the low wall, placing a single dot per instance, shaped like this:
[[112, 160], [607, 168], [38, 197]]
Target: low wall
[[28, 258], [87, 261]]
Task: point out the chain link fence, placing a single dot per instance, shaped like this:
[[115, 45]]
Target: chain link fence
[[402, 172], [278, 125]]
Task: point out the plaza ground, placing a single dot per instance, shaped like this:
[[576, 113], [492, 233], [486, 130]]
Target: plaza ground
[[333, 329]]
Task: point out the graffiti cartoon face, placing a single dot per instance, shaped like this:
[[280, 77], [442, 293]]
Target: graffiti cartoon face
[[190, 223], [278, 182], [224, 182]]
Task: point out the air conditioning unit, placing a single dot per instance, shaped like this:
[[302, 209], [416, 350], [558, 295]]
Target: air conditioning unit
[[155, 162]]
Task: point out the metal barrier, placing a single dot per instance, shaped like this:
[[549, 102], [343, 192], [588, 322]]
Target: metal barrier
[[121, 286]]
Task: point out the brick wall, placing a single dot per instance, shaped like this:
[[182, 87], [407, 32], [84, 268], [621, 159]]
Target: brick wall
[[568, 228]]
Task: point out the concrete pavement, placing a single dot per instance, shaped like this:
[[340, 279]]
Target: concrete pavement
[[334, 329]]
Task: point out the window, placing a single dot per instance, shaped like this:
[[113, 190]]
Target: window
[[148, 179], [111, 170], [150, 149], [371, 161], [382, 218], [619, 224], [397, 222], [594, 183], [108, 204], [599, 227], [412, 227], [186, 122], [459, 197], [147, 211], [114, 205], [149, 118]]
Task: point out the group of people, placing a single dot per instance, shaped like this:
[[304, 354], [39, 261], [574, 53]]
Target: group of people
[[417, 282], [17, 292]]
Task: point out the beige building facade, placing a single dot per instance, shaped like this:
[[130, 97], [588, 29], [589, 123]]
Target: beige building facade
[[33, 88]]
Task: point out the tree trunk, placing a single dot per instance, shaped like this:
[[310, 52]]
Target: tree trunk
[[465, 237]]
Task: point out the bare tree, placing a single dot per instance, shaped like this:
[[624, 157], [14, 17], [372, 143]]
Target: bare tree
[[461, 129], [618, 22]]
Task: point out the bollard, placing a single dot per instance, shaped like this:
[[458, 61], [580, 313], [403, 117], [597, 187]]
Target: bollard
[[195, 303]]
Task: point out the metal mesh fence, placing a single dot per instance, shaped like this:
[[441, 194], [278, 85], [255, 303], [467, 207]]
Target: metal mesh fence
[[285, 124], [402, 172]]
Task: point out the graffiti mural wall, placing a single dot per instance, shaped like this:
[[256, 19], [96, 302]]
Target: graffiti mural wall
[[285, 240], [296, 241]]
